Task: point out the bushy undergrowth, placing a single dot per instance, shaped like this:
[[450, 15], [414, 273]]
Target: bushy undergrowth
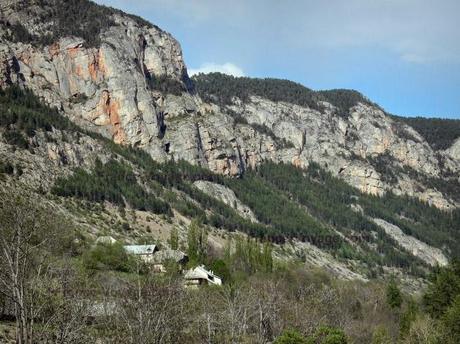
[[269, 296], [109, 257]]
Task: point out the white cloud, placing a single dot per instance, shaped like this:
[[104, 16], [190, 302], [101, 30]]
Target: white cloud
[[414, 58], [226, 68]]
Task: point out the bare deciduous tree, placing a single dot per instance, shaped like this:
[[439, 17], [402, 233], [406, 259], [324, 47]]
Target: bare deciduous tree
[[22, 238], [65, 319], [151, 311]]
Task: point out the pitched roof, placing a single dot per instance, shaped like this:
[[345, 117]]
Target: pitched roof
[[141, 249], [200, 272]]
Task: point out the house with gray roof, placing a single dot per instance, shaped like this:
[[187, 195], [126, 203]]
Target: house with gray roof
[[145, 252], [163, 257]]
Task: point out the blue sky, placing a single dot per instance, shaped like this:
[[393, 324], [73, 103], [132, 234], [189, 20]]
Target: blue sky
[[402, 54]]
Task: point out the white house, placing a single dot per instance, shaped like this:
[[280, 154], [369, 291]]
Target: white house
[[145, 252], [201, 276]]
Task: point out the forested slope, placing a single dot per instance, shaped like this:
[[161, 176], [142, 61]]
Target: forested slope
[[440, 133], [290, 203], [222, 88]]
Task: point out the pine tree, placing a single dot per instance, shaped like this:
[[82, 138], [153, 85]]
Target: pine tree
[[267, 257], [394, 296], [451, 321], [407, 318], [174, 239], [197, 240]]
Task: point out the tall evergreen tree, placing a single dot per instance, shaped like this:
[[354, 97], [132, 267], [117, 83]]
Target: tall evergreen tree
[[394, 296], [197, 240], [174, 239]]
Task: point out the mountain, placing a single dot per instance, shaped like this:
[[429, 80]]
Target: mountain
[[325, 216], [97, 106]]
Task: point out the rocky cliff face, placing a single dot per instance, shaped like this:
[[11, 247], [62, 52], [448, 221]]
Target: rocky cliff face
[[431, 255], [454, 150], [227, 196], [133, 87], [351, 148]]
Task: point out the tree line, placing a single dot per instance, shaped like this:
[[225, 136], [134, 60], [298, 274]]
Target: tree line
[[222, 89], [440, 133], [114, 182], [72, 18]]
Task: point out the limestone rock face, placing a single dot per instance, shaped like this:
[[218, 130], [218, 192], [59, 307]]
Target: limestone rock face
[[107, 88], [431, 255], [227, 196], [454, 150], [349, 148], [113, 89]]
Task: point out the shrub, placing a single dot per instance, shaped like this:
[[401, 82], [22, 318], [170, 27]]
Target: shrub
[[15, 138], [451, 321], [221, 269], [381, 336], [6, 167], [108, 257], [394, 296], [328, 335], [290, 337]]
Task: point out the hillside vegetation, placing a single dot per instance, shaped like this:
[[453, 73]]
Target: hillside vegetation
[[60, 18], [290, 203], [75, 291], [438, 132]]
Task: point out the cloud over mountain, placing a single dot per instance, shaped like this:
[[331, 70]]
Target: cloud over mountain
[[226, 68]]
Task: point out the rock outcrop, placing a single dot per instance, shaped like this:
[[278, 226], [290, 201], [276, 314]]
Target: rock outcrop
[[314, 257], [227, 196], [454, 150], [430, 255], [55, 155]]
